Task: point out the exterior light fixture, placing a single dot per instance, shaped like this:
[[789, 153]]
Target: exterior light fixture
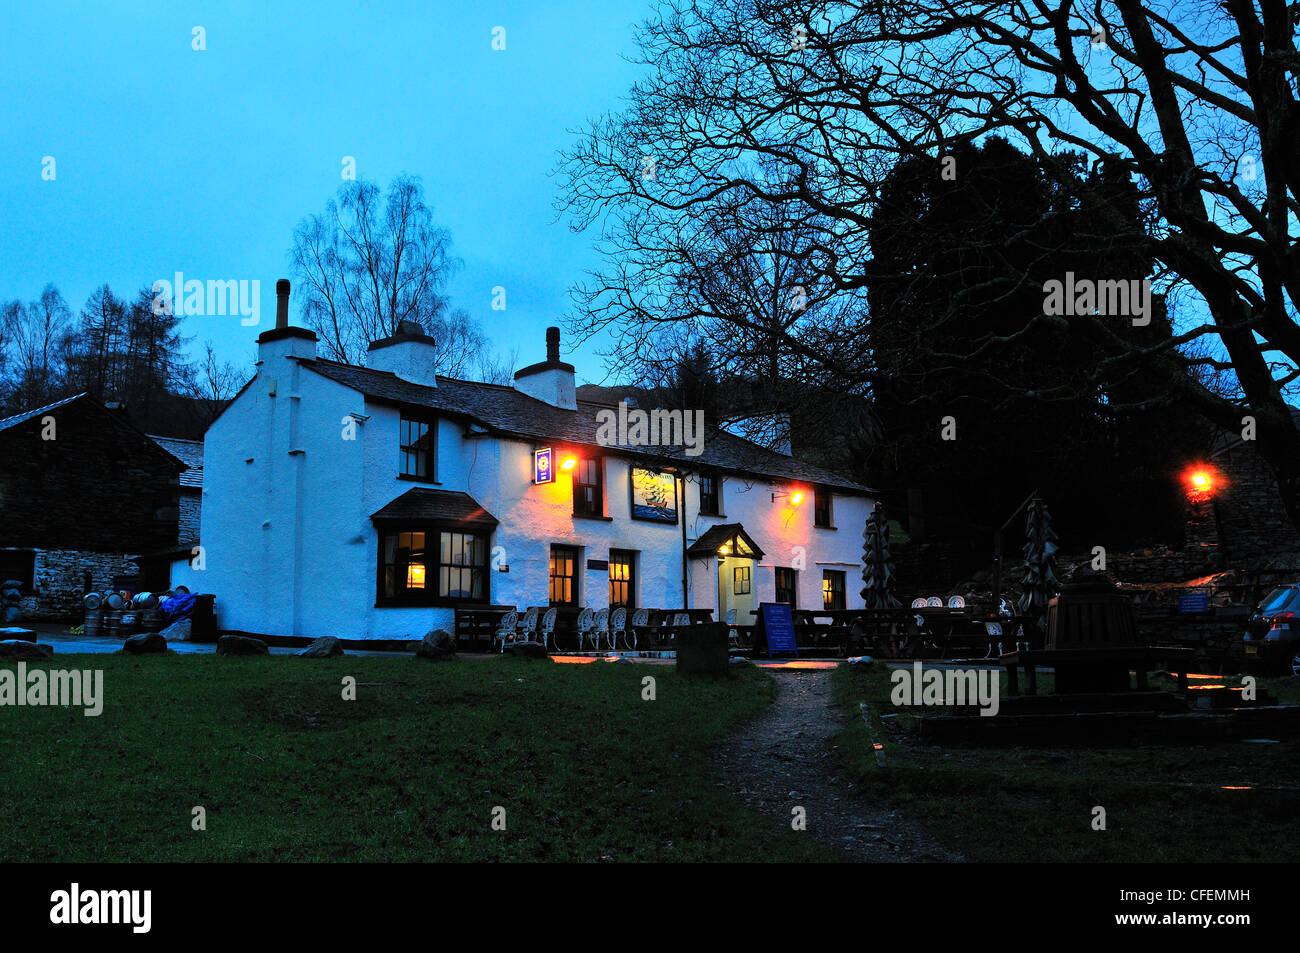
[[795, 496], [1201, 481], [569, 463]]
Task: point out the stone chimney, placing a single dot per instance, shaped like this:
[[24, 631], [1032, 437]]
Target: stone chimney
[[410, 354], [283, 341], [551, 381]]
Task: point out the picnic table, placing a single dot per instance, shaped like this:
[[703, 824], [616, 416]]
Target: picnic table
[[1092, 643], [474, 624], [1141, 658], [660, 630]]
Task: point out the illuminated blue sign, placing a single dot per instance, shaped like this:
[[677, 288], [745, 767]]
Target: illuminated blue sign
[[543, 466]]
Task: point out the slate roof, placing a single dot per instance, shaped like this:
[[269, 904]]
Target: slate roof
[[508, 412], [188, 452], [715, 536], [17, 419], [440, 506], [119, 420], [1225, 440]]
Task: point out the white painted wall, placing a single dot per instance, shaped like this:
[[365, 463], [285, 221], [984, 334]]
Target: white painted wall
[[290, 548]]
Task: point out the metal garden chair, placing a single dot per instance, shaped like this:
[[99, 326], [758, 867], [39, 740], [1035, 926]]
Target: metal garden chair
[[548, 628], [505, 631], [599, 627], [640, 622], [585, 621], [528, 627], [618, 627]]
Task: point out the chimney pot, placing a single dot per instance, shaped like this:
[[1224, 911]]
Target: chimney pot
[[552, 344], [282, 303]]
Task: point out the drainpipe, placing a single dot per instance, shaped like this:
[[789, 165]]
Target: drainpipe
[[686, 594]]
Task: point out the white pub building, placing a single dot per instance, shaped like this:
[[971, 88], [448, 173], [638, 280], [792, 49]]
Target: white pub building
[[372, 502]]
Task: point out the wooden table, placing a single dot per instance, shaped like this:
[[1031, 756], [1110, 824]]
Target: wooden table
[[478, 623], [1141, 658]]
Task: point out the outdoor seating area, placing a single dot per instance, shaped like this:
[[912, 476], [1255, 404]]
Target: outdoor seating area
[[571, 629], [904, 632]]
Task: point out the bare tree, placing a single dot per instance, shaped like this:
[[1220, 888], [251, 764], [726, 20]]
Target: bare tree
[[805, 106], [212, 383], [496, 370], [372, 261], [33, 332]]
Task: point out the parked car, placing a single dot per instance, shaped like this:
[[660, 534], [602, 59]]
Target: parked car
[[1272, 639]]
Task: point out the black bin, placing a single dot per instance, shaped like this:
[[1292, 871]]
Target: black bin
[[203, 623]]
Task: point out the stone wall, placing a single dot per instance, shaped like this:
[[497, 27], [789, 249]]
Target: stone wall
[[188, 531], [61, 582], [1248, 509]]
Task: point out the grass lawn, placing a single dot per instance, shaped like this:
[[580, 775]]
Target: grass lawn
[[1163, 803], [411, 770]]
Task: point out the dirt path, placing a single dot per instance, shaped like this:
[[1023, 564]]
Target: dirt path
[[783, 759]]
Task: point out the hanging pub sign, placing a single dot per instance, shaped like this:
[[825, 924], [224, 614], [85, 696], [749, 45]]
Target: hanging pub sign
[[544, 465], [654, 496]]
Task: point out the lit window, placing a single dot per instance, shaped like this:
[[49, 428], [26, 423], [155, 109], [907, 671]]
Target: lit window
[[741, 584], [832, 589], [622, 584], [412, 574], [564, 576]]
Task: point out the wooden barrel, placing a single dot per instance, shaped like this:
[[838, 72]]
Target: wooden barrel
[[94, 624], [111, 626], [151, 620], [130, 622]]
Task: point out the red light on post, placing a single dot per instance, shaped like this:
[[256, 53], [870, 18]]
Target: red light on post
[[1201, 482]]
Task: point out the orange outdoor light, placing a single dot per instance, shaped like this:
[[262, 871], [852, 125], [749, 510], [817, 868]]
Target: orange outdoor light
[[796, 498], [1201, 481], [569, 463]]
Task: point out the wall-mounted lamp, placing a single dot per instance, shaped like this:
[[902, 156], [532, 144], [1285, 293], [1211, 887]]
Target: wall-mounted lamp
[[569, 463], [795, 496]]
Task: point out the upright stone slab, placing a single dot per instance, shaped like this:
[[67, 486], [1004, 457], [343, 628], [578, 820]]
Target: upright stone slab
[[702, 649]]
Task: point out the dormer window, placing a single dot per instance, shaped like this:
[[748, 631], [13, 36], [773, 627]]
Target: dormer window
[[416, 452]]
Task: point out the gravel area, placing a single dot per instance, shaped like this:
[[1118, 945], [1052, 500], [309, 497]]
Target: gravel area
[[784, 758]]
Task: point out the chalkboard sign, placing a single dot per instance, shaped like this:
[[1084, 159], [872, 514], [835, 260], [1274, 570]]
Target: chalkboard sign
[[1190, 603], [776, 627]]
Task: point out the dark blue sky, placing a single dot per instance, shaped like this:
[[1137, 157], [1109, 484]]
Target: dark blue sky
[[173, 159]]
